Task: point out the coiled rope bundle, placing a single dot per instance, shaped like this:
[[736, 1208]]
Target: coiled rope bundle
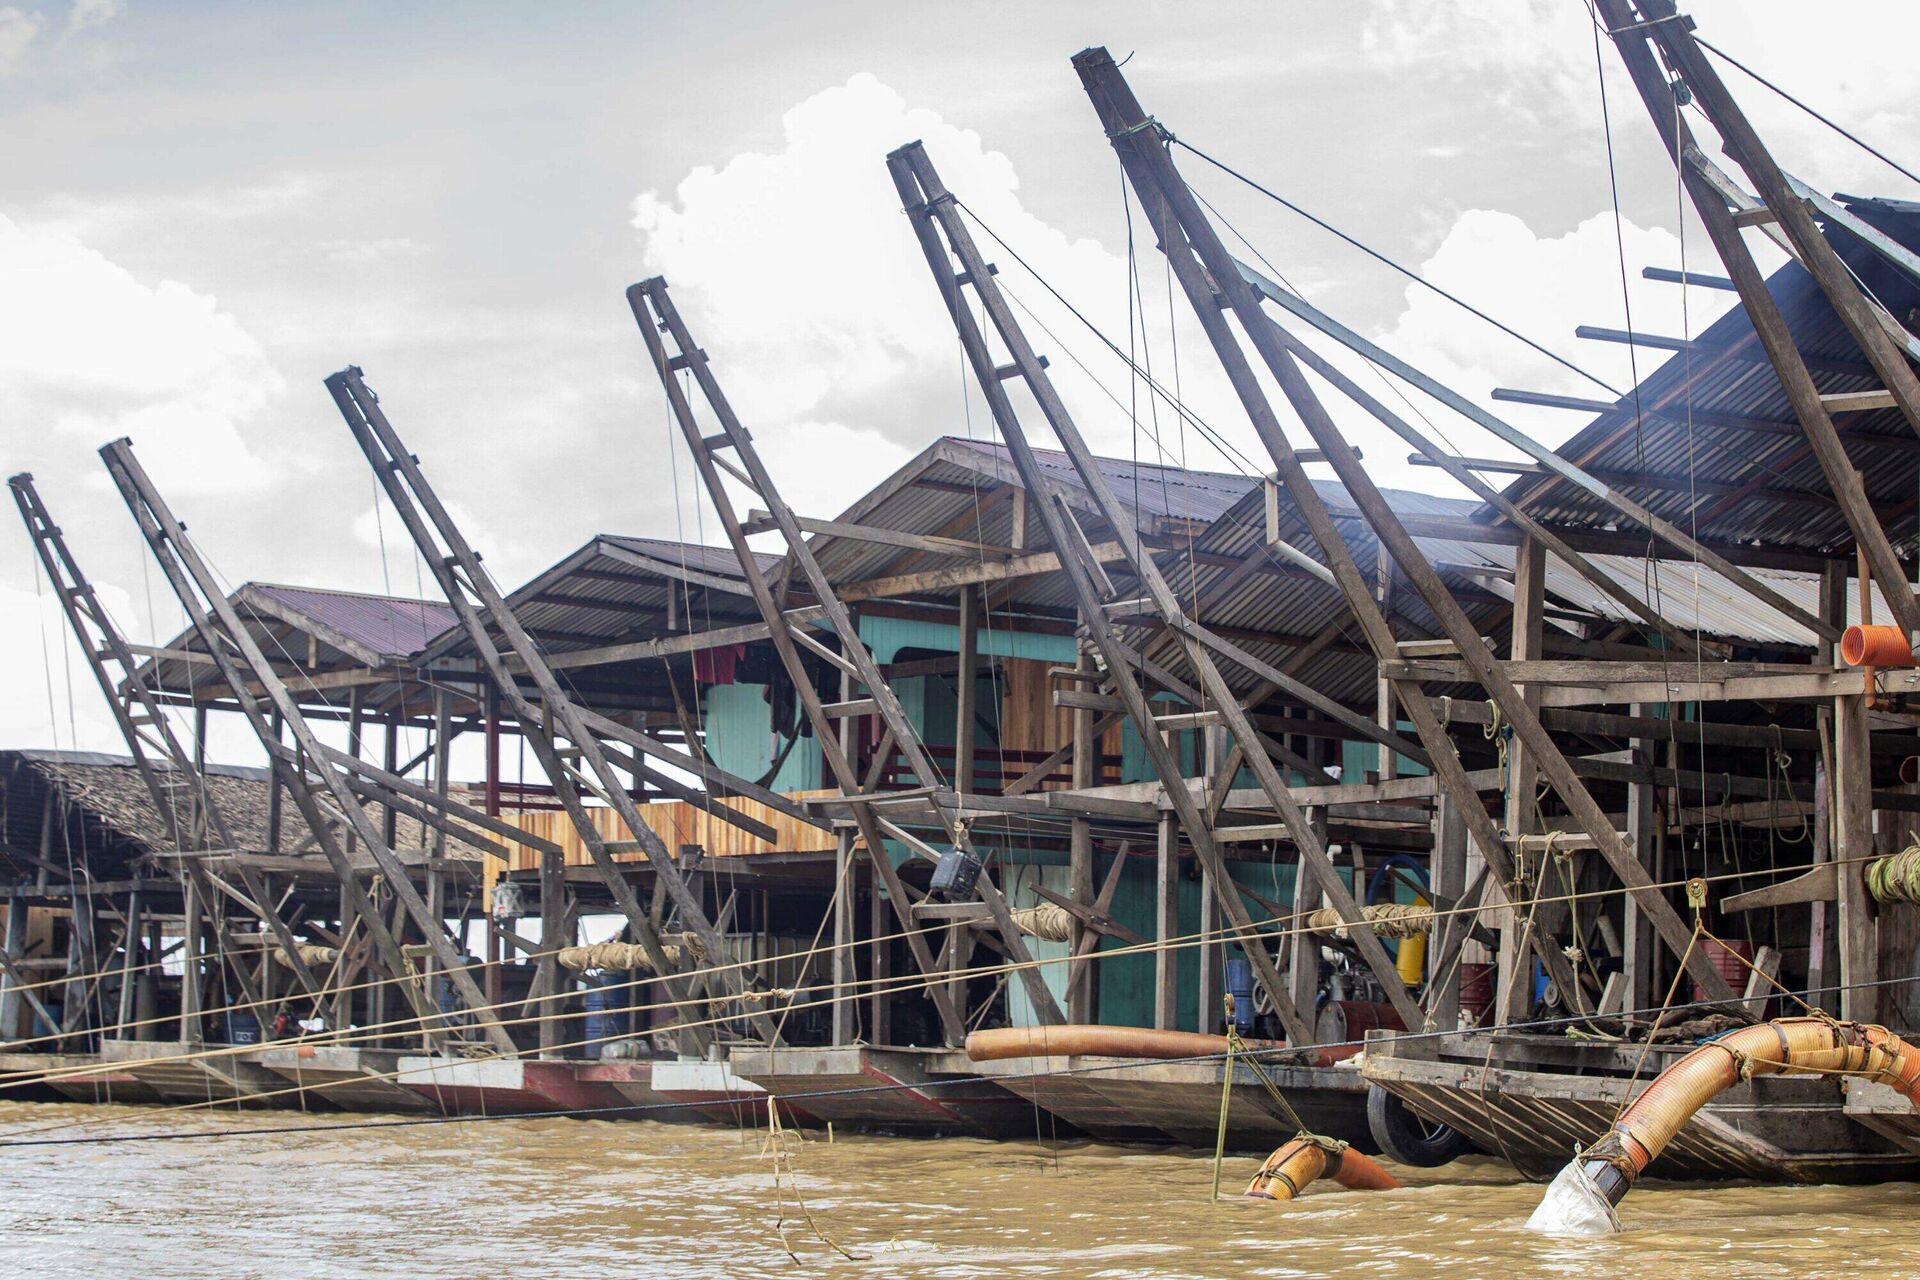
[[611, 955], [1388, 919], [312, 955], [1048, 922], [1895, 878]]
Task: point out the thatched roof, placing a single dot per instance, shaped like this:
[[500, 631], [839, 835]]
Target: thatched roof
[[106, 816]]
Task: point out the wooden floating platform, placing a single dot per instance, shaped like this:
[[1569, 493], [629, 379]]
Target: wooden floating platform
[[348, 1078], [1121, 1100], [162, 1065], [888, 1090], [1535, 1099], [498, 1086]]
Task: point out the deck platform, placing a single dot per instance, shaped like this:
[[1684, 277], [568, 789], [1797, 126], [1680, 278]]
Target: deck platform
[[349, 1078], [223, 1077], [887, 1090], [1535, 1099]]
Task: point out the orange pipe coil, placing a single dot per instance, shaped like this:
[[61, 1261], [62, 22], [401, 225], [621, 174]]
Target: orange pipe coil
[[1075, 1039], [1875, 646], [1299, 1161], [1785, 1046]]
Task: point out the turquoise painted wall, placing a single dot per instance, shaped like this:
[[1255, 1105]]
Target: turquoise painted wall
[[888, 636], [1358, 757], [740, 739], [1125, 983]]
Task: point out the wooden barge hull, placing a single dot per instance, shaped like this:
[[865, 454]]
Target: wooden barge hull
[[505, 1086], [91, 1081], [1534, 1100], [232, 1079], [714, 1091], [1121, 1100], [881, 1090], [348, 1078]]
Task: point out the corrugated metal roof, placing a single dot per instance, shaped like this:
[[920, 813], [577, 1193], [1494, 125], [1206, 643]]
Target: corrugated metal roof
[[393, 626], [690, 555], [1149, 487], [1675, 443]]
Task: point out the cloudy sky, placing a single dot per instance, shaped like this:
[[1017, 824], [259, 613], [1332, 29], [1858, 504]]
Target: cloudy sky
[[209, 207]]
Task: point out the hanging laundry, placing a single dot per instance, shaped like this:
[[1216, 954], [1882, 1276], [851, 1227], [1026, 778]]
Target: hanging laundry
[[716, 665]]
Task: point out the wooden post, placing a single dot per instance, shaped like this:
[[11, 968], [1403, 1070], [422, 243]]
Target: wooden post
[[1384, 704], [356, 718], [1449, 876], [879, 1016], [1166, 914], [436, 848], [1209, 952], [490, 704], [843, 957], [1515, 991], [16, 947], [1303, 948], [190, 947], [129, 974], [553, 915], [343, 999], [844, 960], [1086, 751], [274, 769], [1643, 831], [966, 684], [1823, 959], [1853, 813]]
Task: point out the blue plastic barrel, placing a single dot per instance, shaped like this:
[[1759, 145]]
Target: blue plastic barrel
[[242, 1027], [609, 1010], [1240, 986], [447, 997]]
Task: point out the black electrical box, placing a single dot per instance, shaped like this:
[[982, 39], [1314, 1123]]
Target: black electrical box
[[955, 876]]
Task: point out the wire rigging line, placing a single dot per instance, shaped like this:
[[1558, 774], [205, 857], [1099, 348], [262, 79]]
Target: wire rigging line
[[1865, 146], [1227, 450], [1406, 271]]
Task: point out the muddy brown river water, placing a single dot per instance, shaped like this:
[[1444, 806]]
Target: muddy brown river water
[[596, 1200]]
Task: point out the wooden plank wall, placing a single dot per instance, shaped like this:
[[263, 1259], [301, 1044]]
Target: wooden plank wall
[[676, 823], [1030, 722]]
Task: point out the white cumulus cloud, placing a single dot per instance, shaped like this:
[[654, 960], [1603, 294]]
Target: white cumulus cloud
[[89, 352], [801, 277]]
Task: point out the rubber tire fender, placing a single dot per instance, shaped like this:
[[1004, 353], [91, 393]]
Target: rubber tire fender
[[1407, 1139]]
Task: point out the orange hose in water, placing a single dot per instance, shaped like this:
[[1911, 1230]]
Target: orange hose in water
[[1074, 1039], [1785, 1046], [1299, 1161]]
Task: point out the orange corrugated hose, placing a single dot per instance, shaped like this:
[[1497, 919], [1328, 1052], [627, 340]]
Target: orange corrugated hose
[[1074, 1039], [1785, 1046], [1301, 1160]]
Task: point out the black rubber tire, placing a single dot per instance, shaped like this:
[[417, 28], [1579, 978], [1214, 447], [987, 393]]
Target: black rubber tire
[[1407, 1139]]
